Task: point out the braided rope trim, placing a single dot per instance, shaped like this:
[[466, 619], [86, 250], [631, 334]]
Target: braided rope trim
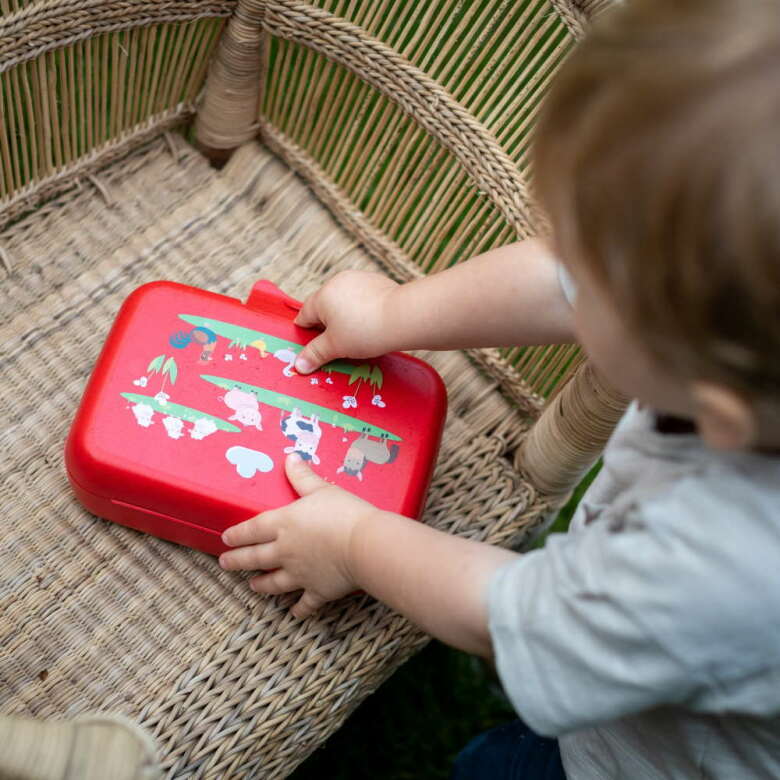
[[592, 8], [73, 173], [572, 16], [389, 255], [418, 95], [54, 24], [577, 14]]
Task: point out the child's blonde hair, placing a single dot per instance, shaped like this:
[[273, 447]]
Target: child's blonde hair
[[658, 160]]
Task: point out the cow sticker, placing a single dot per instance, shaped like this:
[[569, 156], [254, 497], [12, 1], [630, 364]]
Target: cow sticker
[[305, 433]]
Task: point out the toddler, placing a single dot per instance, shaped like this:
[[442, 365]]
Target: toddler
[[647, 639]]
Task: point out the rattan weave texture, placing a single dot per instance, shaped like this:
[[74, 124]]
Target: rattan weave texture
[[228, 682]]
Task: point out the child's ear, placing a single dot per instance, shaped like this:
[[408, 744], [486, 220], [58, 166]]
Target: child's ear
[[724, 419]]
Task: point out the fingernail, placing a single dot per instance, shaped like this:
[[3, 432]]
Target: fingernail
[[294, 457], [303, 365], [225, 538]]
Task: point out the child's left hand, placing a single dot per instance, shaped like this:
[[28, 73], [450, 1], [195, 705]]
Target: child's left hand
[[306, 544]]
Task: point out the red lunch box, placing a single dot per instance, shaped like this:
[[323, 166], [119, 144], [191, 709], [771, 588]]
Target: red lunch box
[[194, 404]]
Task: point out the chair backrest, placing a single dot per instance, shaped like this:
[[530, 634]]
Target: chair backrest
[[83, 82], [411, 120], [413, 123]]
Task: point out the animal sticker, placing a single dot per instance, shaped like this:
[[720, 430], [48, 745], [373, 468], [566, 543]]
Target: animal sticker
[[305, 432], [203, 337], [174, 426], [366, 450], [144, 414], [287, 356], [245, 406], [297, 409], [174, 416], [203, 427]]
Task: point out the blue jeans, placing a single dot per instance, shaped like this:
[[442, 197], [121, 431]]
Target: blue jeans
[[509, 752]]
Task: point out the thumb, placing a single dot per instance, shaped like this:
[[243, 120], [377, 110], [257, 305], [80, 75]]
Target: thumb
[[302, 478], [317, 352]]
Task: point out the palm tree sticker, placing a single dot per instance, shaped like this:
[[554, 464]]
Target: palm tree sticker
[[166, 366], [364, 373]]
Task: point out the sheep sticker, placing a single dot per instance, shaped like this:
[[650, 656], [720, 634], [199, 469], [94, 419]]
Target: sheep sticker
[[202, 428], [305, 432], [364, 450], [143, 414], [174, 426]]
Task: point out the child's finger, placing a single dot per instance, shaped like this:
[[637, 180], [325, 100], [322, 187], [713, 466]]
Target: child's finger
[[307, 604], [257, 530], [315, 354], [308, 316], [302, 478], [258, 556], [273, 582]]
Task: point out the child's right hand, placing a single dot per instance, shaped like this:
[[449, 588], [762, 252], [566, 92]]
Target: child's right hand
[[352, 308]]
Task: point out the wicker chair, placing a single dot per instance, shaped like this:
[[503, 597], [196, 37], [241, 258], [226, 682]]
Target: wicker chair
[[336, 134]]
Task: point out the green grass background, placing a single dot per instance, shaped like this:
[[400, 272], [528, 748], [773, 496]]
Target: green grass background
[[414, 725]]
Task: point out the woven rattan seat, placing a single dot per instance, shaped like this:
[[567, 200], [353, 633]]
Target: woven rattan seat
[[377, 152], [113, 619]]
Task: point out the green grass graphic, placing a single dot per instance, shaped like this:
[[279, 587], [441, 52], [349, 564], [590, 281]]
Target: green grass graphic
[[288, 402], [246, 337], [184, 412]]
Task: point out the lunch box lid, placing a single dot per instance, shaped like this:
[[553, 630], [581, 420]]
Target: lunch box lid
[[194, 404]]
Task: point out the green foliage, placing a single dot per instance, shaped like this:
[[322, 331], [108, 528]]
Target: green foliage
[[561, 523]]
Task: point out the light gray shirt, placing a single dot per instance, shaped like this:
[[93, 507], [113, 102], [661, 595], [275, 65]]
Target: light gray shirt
[[648, 637]]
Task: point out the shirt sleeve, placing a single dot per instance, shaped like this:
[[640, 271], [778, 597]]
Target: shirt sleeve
[[661, 606]]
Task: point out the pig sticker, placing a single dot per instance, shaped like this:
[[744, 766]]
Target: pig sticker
[[245, 406], [364, 450], [305, 433]]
